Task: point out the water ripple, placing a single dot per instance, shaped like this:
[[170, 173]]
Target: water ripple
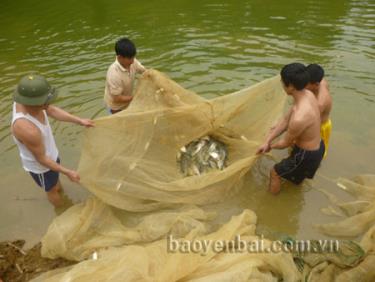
[[211, 48]]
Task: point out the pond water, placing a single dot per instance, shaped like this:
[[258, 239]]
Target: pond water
[[211, 47]]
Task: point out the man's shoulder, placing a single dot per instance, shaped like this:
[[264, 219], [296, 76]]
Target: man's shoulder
[[324, 97], [113, 72], [324, 87], [305, 111], [25, 129], [298, 114], [297, 122], [113, 67], [137, 66]]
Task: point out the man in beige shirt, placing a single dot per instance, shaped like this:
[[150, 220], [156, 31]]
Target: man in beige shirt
[[121, 75]]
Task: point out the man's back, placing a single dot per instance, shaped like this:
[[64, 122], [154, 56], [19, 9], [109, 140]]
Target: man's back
[[306, 112], [319, 86], [324, 101]]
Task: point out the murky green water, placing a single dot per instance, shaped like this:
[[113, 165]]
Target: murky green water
[[211, 47]]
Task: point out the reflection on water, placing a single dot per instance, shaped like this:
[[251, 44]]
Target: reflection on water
[[211, 47]]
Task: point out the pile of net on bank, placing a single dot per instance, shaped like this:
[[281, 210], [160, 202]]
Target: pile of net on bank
[[109, 250], [357, 220], [159, 246], [129, 162]]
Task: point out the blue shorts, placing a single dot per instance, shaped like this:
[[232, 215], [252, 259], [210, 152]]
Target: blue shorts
[[46, 180], [112, 112]]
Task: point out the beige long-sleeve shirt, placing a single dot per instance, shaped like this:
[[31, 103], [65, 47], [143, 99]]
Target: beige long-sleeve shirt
[[120, 81]]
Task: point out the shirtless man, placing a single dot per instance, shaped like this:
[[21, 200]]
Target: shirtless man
[[302, 126], [319, 86]]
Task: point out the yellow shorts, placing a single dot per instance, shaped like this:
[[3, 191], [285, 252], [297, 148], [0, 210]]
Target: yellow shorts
[[325, 133]]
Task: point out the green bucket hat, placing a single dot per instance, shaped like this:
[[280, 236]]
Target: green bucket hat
[[34, 90]]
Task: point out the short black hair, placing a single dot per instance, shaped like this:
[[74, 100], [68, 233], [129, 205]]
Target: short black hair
[[125, 48], [295, 74], [316, 73]]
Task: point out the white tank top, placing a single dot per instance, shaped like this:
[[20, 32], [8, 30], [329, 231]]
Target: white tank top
[[29, 162]]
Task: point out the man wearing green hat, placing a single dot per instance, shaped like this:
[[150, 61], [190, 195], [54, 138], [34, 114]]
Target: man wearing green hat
[[33, 135]]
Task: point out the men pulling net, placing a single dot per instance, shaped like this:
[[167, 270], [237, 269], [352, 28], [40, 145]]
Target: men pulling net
[[129, 161]]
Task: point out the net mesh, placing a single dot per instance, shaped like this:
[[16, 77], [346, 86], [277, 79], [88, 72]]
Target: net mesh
[[129, 159], [141, 198]]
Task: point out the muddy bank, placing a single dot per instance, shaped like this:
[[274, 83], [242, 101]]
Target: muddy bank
[[18, 265]]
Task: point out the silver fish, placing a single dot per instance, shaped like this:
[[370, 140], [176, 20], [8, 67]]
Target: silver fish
[[198, 147], [214, 155], [202, 156]]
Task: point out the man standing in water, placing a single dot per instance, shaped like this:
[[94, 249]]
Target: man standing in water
[[319, 86], [121, 76], [302, 126], [33, 135]]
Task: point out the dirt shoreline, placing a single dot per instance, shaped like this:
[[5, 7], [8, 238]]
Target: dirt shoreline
[[18, 265]]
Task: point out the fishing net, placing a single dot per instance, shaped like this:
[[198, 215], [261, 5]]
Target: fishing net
[[142, 199], [358, 220], [128, 257], [359, 215], [129, 159], [91, 226]]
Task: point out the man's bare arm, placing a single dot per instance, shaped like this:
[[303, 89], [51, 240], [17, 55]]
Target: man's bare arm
[[122, 98], [280, 127], [275, 132], [295, 128], [31, 137], [139, 67], [60, 114]]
